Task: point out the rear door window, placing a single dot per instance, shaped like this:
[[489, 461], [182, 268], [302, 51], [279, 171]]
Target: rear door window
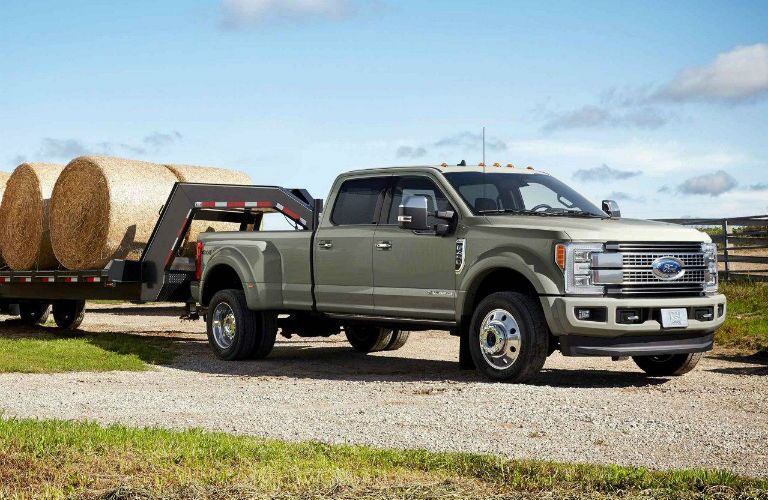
[[358, 200]]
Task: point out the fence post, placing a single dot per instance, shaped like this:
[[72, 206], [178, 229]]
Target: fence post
[[725, 249]]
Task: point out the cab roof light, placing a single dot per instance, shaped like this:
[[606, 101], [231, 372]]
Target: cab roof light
[[510, 165], [443, 164], [560, 256], [497, 164], [481, 164], [529, 167]]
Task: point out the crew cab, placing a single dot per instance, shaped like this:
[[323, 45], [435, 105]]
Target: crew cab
[[511, 260]]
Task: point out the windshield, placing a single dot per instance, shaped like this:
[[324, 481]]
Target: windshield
[[527, 194]]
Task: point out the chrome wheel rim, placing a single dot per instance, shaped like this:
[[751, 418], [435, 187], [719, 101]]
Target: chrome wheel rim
[[500, 339], [224, 325]]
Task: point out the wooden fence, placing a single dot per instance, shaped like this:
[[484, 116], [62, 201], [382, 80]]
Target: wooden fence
[[740, 241]]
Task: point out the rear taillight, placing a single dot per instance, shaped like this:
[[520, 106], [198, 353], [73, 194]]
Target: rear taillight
[[199, 261]]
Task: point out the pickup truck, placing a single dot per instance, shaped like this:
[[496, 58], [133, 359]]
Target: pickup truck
[[511, 260]]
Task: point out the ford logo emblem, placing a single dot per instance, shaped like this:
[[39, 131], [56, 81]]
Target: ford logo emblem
[[668, 268]]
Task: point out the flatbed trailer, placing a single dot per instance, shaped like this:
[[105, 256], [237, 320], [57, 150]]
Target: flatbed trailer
[[161, 274]]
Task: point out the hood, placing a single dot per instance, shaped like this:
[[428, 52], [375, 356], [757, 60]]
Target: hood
[[589, 229]]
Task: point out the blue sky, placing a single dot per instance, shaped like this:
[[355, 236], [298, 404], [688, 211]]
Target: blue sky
[[661, 105]]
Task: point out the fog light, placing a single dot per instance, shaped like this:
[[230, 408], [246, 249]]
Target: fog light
[[598, 314], [720, 310]]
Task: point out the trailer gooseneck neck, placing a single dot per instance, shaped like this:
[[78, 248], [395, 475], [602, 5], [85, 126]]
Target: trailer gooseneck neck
[[155, 276]]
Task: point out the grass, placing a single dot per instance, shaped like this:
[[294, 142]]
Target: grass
[[68, 459], [746, 323], [39, 351]]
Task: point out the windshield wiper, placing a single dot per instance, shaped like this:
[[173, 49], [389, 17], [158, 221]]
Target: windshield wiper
[[513, 211], [564, 213]]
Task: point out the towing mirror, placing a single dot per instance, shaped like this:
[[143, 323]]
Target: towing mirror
[[413, 213], [612, 209]]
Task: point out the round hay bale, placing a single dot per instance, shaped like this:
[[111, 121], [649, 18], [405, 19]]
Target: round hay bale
[[3, 179], [105, 208], [24, 238], [209, 175]]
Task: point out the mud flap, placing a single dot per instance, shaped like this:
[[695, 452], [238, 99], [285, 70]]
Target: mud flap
[[465, 357]]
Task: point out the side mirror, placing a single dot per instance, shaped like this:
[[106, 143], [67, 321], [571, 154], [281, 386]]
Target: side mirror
[[612, 209], [413, 213]]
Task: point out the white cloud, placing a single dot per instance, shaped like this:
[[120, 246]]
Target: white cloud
[[713, 184], [604, 173], [735, 76], [239, 14], [593, 116], [649, 157]]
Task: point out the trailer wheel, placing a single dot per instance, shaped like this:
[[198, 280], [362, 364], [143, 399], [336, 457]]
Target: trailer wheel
[[234, 331], [669, 365], [508, 337], [68, 314], [399, 338], [34, 313], [368, 338]]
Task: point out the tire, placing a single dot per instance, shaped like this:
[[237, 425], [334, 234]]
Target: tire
[[34, 313], [68, 314], [368, 338], [399, 338], [508, 337], [234, 331], [672, 365]]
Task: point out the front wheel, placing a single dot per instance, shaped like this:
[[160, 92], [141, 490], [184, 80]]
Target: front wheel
[[508, 337], [668, 365], [235, 332]]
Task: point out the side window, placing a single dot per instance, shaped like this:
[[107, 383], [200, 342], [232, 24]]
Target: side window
[[357, 200], [418, 186]]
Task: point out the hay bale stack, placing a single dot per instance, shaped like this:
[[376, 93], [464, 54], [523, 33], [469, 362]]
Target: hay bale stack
[[24, 236], [3, 179], [210, 175], [105, 208]]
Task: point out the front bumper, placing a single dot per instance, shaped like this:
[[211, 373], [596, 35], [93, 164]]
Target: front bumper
[[561, 316]]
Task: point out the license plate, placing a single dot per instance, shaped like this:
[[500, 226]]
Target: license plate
[[674, 318]]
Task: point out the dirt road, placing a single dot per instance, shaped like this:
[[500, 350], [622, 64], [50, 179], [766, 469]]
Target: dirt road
[[592, 410]]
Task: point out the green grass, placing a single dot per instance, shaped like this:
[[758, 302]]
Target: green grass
[[746, 323], [60, 458], [38, 351]]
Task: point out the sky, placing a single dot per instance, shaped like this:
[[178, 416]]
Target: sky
[[662, 106]]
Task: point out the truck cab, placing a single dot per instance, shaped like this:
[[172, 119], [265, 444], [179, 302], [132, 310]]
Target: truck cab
[[512, 260]]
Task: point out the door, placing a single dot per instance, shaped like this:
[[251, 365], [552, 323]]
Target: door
[[343, 253], [414, 273]]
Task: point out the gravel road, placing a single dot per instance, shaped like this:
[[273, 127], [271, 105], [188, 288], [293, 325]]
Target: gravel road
[[588, 410]]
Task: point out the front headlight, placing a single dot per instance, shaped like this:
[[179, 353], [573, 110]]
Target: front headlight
[[710, 262], [575, 261]]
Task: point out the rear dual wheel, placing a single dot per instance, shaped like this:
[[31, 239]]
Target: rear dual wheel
[[235, 332], [375, 339]]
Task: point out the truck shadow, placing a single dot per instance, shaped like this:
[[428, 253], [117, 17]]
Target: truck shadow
[[758, 364], [338, 362]]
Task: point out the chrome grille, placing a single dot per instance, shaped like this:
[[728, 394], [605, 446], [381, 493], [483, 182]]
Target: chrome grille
[[646, 259], [637, 277], [626, 270]]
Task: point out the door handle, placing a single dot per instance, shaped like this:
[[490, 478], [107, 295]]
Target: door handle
[[325, 244], [383, 245]]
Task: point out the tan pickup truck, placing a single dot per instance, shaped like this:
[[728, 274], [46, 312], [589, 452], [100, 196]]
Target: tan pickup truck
[[512, 260]]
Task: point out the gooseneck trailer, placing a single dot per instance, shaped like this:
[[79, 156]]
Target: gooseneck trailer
[[162, 274]]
